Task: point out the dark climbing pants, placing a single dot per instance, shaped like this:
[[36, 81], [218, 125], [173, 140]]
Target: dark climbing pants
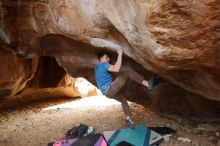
[[117, 85]]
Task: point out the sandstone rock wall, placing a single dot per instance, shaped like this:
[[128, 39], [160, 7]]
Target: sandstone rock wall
[[15, 72], [178, 40]]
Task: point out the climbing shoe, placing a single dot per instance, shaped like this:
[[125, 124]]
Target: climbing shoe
[[130, 122], [151, 82]]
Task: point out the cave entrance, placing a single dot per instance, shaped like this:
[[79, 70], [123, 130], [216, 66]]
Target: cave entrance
[[48, 73]]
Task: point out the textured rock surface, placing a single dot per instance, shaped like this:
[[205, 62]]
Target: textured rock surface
[[14, 73], [179, 40]]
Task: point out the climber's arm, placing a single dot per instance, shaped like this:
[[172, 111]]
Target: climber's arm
[[116, 67]]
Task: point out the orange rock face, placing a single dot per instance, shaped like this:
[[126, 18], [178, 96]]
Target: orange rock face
[[178, 40], [15, 72]]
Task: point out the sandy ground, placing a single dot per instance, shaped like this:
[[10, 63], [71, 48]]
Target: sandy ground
[[44, 122]]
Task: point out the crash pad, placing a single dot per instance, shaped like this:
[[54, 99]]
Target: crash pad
[[139, 135]]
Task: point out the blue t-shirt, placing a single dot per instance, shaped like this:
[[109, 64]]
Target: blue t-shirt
[[103, 77]]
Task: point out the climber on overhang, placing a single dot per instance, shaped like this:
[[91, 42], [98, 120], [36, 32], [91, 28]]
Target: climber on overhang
[[110, 88]]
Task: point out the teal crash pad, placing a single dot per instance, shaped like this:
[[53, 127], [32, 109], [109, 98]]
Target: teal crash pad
[[140, 135]]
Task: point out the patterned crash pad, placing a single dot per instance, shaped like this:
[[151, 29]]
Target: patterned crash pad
[[140, 135], [91, 140]]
